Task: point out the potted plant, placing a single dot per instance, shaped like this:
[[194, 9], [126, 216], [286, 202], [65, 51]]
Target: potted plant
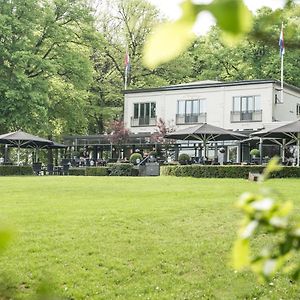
[[184, 159], [135, 158], [255, 153]]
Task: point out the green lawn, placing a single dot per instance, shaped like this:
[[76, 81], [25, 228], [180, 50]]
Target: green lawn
[[129, 238]]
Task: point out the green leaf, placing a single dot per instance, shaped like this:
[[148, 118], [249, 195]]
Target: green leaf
[[167, 42], [232, 16], [241, 254], [272, 166]]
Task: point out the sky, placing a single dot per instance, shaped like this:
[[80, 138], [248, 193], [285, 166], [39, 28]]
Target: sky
[[170, 8]]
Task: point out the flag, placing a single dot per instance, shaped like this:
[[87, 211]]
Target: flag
[[127, 63], [127, 68], [281, 41]]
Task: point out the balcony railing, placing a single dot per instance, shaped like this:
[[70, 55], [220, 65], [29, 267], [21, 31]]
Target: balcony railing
[[246, 116], [145, 121], [190, 118]]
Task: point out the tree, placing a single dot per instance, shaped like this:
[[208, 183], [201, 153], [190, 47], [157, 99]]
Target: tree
[[44, 64], [170, 39], [125, 26], [119, 134], [250, 59]]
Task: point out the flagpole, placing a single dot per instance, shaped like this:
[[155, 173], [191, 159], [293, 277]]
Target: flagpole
[[125, 81], [282, 50], [127, 67], [281, 88]]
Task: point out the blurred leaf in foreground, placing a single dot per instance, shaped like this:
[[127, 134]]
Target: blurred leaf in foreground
[[171, 39]]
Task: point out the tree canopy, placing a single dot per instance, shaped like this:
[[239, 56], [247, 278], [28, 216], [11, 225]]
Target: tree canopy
[[62, 61]]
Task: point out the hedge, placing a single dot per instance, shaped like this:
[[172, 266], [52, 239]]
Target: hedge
[[120, 169], [200, 171], [77, 171], [15, 170], [113, 169], [96, 171]]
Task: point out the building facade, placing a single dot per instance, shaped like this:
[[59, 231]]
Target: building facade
[[245, 106], [241, 105]]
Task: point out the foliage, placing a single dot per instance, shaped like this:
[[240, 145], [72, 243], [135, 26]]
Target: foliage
[[124, 26], [118, 231], [250, 59], [96, 171], [119, 169], [77, 171], [184, 158], [15, 170], [255, 152], [134, 157], [266, 213], [234, 22], [44, 65], [119, 133], [227, 171], [170, 39], [162, 128]]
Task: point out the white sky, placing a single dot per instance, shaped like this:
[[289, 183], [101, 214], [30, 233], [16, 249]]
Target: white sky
[[170, 8]]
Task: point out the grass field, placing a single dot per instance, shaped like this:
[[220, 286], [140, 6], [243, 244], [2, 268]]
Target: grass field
[[129, 238]]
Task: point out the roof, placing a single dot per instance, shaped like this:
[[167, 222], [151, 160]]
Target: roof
[[209, 84]]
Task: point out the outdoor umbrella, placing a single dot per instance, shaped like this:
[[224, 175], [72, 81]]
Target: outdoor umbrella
[[289, 131], [205, 133], [21, 139]]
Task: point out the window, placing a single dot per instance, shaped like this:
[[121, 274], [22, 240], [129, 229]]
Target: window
[[144, 114], [232, 153], [298, 109], [246, 108], [246, 104], [191, 111]]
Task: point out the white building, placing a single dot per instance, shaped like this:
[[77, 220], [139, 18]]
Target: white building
[[240, 105]]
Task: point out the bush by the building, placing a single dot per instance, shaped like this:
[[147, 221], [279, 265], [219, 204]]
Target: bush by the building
[[96, 171], [15, 170], [135, 158], [200, 171], [120, 169], [184, 159], [77, 171]]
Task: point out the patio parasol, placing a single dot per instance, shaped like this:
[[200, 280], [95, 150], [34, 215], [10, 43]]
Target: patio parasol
[[205, 133], [290, 131], [21, 139]]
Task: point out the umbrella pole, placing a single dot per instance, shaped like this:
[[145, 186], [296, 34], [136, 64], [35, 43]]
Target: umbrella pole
[[260, 150], [283, 150], [18, 155], [205, 149]]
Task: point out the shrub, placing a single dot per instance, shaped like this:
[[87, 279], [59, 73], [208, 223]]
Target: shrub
[[200, 171], [121, 169], [77, 171], [134, 157], [153, 153], [96, 171], [15, 170], [184, 159], [255, 152]]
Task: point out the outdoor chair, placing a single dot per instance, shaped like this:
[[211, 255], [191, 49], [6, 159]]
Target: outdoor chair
[[50, 169], [37, 168], [65, 170]]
